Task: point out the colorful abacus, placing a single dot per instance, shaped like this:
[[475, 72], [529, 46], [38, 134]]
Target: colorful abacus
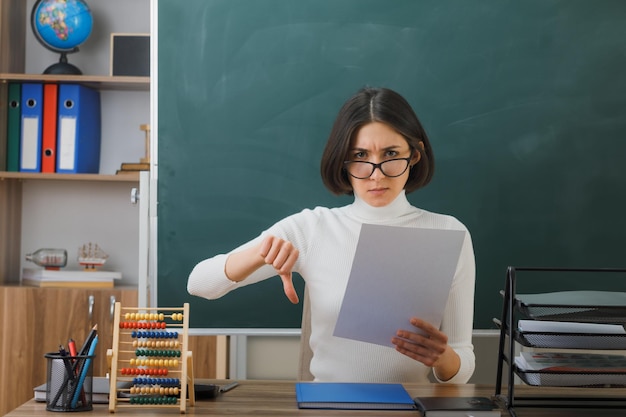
[[150, 352]]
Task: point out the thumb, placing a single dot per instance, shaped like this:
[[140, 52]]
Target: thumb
[[290, 290]]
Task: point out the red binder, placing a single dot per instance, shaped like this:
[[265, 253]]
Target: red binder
[[49, 132]]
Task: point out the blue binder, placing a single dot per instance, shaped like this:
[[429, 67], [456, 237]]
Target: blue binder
[[79, 130], [31, 124]]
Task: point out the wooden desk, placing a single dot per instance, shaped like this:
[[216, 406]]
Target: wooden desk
[[278, 398]]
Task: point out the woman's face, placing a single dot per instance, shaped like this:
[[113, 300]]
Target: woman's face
[[377, 142]]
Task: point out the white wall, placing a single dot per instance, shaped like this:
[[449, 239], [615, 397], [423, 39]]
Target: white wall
[[276, 357]]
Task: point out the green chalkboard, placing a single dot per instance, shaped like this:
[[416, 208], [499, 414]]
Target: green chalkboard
[[524, 102]]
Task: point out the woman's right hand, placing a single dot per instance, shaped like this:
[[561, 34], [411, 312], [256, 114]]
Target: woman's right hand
[[282, 255]]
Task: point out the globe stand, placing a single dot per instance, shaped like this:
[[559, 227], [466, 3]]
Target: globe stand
[[63, 67], [61, 26]]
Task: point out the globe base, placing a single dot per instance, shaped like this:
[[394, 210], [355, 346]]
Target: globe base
[[63, 67]]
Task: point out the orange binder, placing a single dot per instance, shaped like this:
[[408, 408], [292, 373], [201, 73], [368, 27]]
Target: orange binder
[[49, 132]]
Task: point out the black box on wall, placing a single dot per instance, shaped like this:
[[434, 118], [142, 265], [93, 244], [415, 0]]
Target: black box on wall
[[130, 54]]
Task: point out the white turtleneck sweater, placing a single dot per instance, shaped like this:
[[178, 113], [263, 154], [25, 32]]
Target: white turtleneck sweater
[[327, 239]]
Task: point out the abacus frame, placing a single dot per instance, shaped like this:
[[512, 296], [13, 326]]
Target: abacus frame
[[116, 355]]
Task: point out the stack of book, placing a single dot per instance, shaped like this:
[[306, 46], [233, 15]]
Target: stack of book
[[99, 390], [62, 278], [144, 163], [133, 167]]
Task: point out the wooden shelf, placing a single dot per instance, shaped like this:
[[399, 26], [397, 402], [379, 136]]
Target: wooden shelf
[[128, 177], [100, 82]]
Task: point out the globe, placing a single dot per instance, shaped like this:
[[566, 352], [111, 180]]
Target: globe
[[61, 26]]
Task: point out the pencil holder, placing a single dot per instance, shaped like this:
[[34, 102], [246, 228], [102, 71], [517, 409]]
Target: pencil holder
[[69, 382]]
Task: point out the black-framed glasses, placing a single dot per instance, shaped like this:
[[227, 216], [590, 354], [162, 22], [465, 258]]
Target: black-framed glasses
[[390, 168]]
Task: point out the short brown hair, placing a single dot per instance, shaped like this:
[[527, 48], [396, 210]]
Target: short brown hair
[[375, 105]]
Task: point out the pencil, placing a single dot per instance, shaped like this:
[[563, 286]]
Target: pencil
[[228, 387], [92, 334]]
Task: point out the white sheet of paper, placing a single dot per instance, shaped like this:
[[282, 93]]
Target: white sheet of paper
[[397, 273]]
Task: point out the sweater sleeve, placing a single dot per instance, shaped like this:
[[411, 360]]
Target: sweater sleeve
[[458, 318], [208, 278]]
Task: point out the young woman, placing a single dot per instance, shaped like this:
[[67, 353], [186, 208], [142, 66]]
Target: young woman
[[377, 151]]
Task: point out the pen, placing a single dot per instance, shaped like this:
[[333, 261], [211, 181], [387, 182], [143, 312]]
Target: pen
[[66, 361], [71, 345], [228, 387], [69, 377]]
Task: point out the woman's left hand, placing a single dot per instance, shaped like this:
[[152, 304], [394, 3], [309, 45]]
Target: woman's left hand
[[425, 347], [429, 347]]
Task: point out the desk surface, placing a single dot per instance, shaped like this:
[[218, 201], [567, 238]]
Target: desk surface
[[278, 398]]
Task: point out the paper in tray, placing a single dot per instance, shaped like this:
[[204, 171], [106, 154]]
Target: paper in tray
[[559, 334], [572, 341], [581, 306], [571, 369], [549, 379]]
